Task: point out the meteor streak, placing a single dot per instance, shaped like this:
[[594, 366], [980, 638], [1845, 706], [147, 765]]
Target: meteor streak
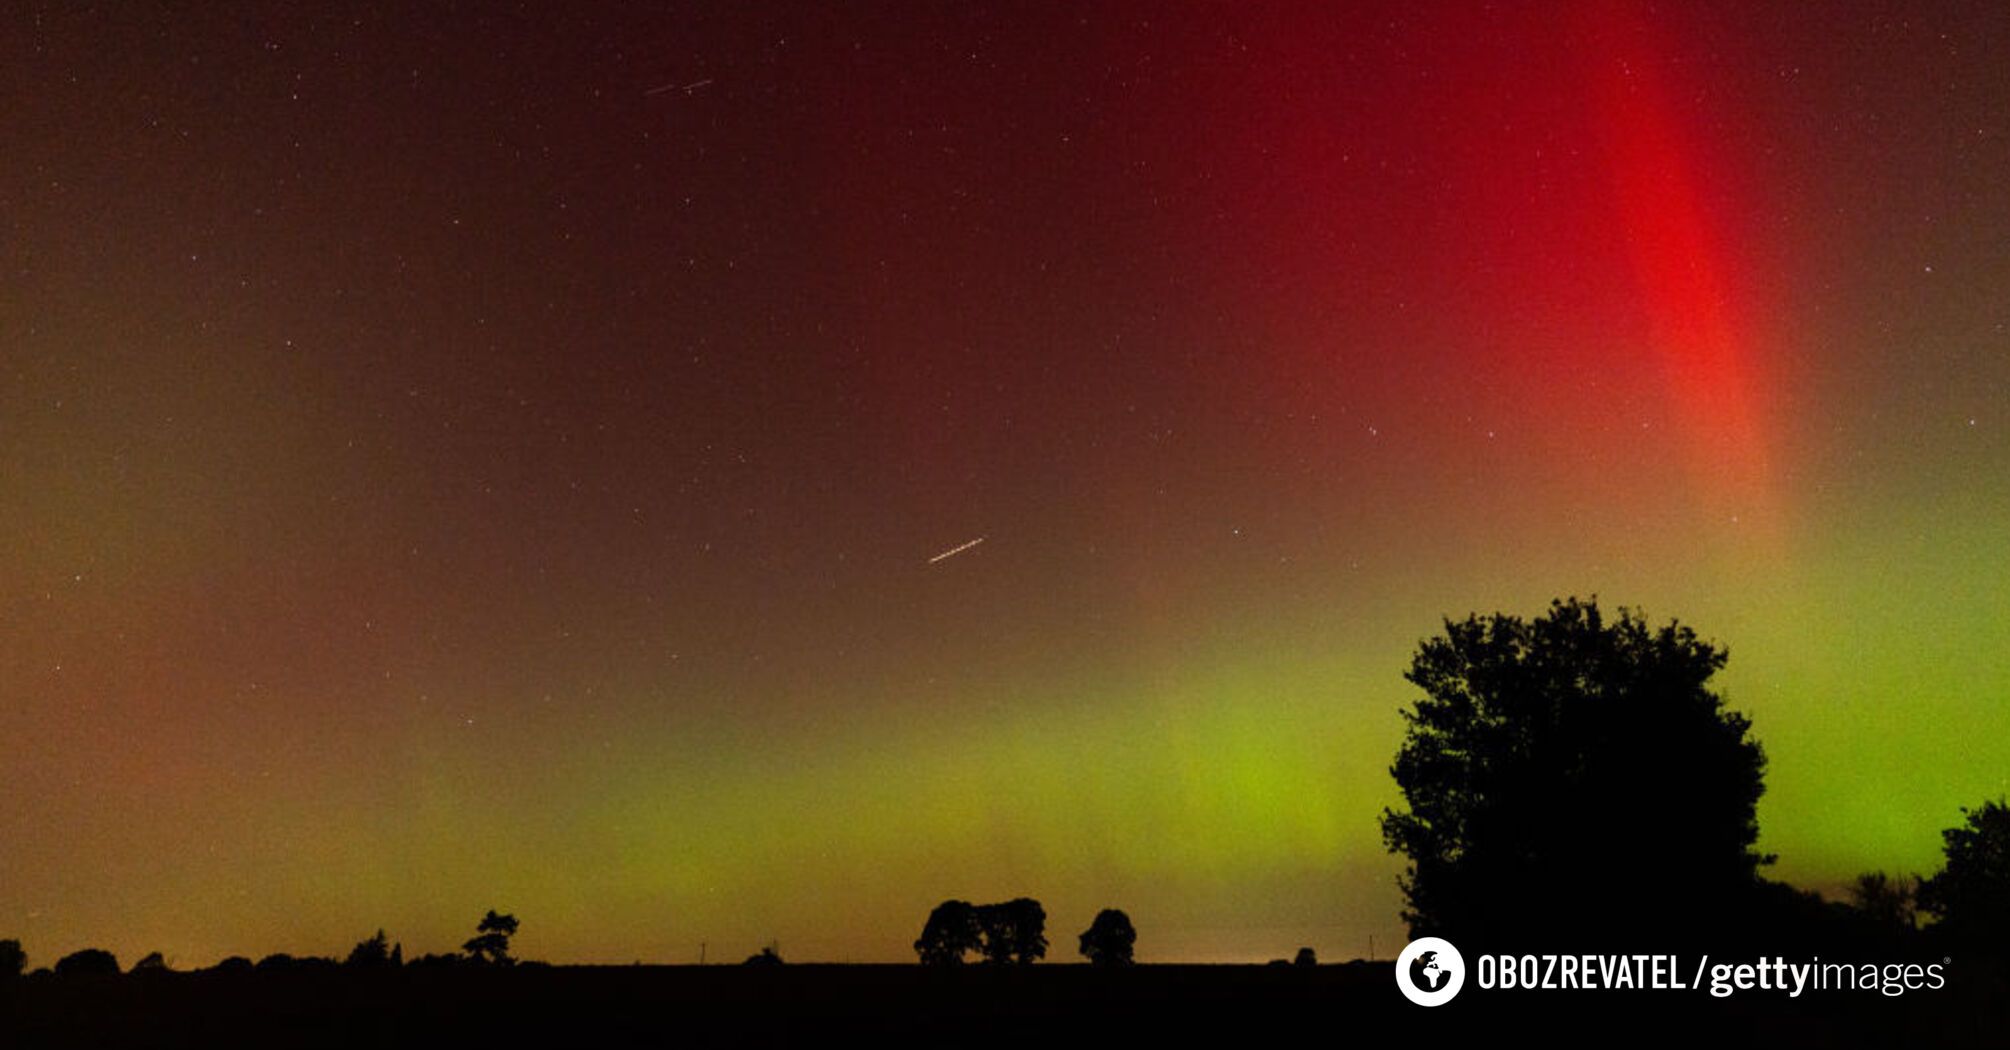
[[686, 88], [953, 551]]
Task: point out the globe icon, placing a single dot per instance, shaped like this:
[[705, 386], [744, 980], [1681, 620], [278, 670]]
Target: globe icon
[[1426, 972], [1430, 971]]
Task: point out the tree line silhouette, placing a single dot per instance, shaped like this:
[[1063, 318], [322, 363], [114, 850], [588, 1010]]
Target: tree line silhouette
[[489, 947], [1570, 780]]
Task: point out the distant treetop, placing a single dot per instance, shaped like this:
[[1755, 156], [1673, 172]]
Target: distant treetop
[[491, 941]]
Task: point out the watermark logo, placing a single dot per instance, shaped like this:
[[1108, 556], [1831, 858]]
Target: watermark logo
[[1430, 971]]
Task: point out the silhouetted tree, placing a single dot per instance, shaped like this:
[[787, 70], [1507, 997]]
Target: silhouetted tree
[[90, 962], [12, 959], [1886, 903], [1110, 939], [233, 964], [950, 933], [768, 956], [1563, 770], [491, 941], [278, 961], [1015, 931], [374, 953], [152, 962], [1305, 957], [1970, 897], [994, 934]]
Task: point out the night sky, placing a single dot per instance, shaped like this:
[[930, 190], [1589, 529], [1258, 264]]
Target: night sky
[[493, 457]]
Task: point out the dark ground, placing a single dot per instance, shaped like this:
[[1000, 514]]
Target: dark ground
[[1046, 1005]]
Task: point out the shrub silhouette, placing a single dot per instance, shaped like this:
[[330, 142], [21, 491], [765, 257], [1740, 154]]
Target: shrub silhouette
[[950, 933], [491, 941], [152, 962], [233, 964], [768, 956], [1560, 771], [12, 959], [89, 962], [1110, 939], [1970, 896]]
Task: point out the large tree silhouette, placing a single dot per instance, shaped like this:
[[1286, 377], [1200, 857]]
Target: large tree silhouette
[[1570, 778]]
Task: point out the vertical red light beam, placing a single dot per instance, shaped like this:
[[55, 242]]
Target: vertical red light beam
[[1671, 207]]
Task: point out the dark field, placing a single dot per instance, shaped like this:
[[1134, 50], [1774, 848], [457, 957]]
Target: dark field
[[1045, 1005]]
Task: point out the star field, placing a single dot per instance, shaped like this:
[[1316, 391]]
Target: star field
[[513, 458]]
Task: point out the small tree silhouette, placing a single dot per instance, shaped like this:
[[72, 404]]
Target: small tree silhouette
[[371, 954], [1888, 903], [1110, 939], [1970, 897], [950, 933], [1305, 957], [152, 962], [12, 959], [491, 941], [90, 962], [994, 934], [1015, 931]]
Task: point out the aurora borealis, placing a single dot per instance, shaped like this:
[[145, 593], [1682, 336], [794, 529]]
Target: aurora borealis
[[483, 458]]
